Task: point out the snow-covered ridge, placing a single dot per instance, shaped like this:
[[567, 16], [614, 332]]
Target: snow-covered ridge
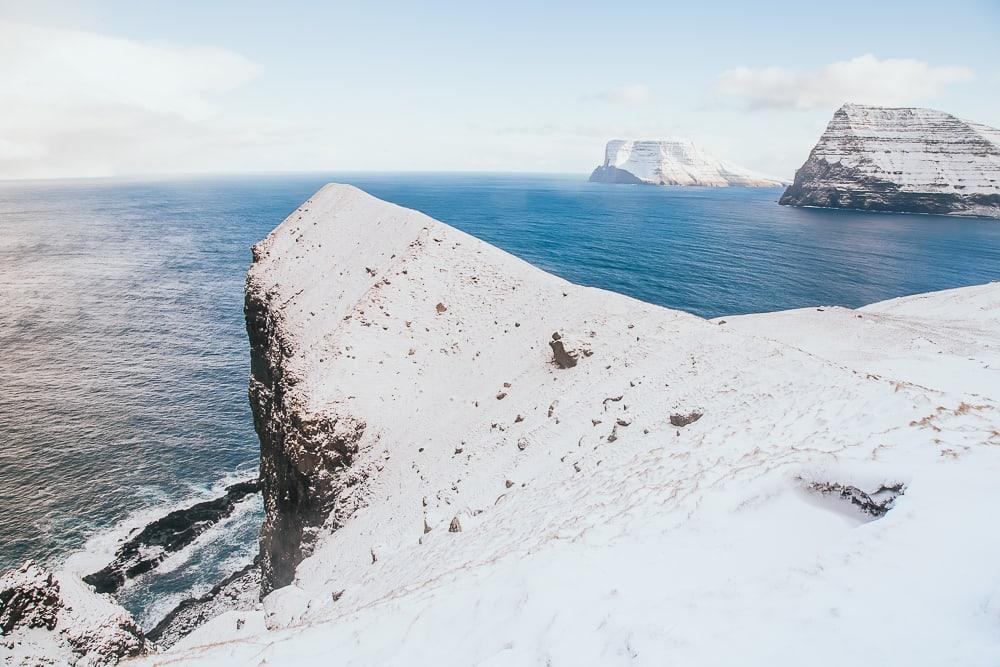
[[680, 492], [901, 159], [463, 487], [672, 162]]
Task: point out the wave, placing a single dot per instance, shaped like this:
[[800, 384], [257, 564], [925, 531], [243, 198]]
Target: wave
[[216, 552]]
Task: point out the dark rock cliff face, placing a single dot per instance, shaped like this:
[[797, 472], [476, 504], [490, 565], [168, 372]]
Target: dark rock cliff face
[[609, 174], [305, 459], [818, 184]]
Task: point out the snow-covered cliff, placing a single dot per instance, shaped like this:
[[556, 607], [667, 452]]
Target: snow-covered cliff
[[672, 162], [480, 463], [901, 159]]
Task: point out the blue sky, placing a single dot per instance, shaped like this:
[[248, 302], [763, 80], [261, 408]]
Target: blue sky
[[112, 88]]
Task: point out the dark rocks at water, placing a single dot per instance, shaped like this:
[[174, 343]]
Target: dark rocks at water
[[146, 550], [681, 420], [875, 504], [610, 174], [239, 590]]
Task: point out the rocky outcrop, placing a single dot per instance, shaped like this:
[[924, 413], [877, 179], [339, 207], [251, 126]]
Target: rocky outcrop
[[607, 173], [53, 618], [562, 357], [672, 162], [905, 160], [29, 597], [240, 590], [166, 535], [874, 504]]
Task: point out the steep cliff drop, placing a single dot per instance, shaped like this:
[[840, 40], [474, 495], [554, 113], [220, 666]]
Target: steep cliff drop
[[466, 460], [306, 454], [904, 160], [487, 463], [673, 162], [305, 458]]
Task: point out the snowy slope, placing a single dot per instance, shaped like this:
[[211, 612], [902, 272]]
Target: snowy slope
[[672, 162], [901, 159], [943, 340], [501, 510]]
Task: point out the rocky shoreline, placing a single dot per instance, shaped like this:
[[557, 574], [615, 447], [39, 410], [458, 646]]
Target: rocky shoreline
[[240, 590], [47, 614]]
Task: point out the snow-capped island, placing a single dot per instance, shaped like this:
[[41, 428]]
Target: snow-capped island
[[906, 160], [466, 460], [673, 162]]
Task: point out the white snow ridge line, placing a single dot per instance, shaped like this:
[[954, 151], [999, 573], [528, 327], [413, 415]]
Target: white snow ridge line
[[459, 498]]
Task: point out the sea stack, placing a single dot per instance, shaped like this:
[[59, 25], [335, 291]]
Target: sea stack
[[904, 160], [673, 162]]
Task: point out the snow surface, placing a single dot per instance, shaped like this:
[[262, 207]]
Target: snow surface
[[592, 530], [679, 162]]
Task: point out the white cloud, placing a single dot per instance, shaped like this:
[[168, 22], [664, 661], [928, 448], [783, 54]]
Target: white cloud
[[864, 79], [600, 131], [80, 103], [636, 93]]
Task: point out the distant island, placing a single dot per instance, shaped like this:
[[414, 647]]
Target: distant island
[[673, 162], [904, 160]]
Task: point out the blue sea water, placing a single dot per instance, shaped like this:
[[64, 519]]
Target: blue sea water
[[123, 386]]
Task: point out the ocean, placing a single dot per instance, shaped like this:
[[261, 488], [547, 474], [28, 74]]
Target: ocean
[[123, 391]]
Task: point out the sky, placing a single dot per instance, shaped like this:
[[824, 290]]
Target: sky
[[120, 88]]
